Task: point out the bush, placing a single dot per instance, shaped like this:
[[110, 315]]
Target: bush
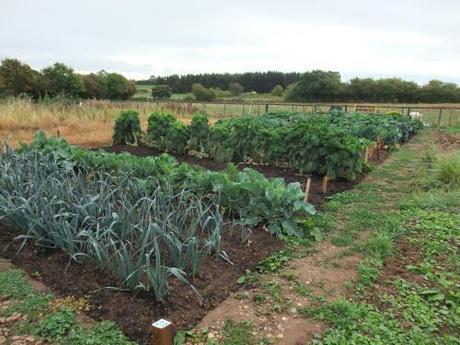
[[161, 92], [203, 94], [127, 129], [235, 88], [189, 97], [277, 91], [166, 133], [394, 113], [448, 169]]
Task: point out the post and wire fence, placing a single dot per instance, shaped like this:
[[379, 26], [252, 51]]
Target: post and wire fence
[[438, 115]]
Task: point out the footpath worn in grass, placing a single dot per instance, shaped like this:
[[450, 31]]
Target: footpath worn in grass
[[408, 288]]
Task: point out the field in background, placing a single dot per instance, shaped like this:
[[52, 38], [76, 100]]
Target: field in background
[[90, 124]]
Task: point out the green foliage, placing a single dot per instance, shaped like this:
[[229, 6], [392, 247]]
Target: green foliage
[[277, 91], [308, 145], [33, 305], [17, 78], [72, 191], [161, 91], [203, 94], [447, 169], [275, 262], [199, 133], [330, 144], [165, 133], [237, 333], [61, 79], [102, 333], [316, 86], [118, 87], [95, 85], [14, 285], [235, 88], [57, 325], [127, 129]]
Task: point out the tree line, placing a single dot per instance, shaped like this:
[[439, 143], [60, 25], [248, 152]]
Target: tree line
[[261, 82], [314, 86], [18, 78]]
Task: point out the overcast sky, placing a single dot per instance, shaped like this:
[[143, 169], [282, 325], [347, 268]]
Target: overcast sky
[[413, 39]]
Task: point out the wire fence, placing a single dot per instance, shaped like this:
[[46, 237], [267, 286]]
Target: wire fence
[[440, 115]]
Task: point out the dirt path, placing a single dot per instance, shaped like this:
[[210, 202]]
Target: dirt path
[[275, 306]]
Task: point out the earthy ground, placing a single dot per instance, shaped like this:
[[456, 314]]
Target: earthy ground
[[135, 312]]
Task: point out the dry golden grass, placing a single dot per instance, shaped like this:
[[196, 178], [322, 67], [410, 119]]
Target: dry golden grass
[[90, 124]]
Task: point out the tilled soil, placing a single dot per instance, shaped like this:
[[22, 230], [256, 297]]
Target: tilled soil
[[134, 312]]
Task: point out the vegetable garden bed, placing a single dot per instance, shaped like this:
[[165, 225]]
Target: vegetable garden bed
[[316, 196], [149, 237]]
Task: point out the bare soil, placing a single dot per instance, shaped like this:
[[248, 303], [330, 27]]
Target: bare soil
[[325, 273], [134, 312]]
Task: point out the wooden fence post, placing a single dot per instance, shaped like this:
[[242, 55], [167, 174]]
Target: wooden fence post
[[439, 117], [266, 108], [324, 184], [162, 332], [307, 190]]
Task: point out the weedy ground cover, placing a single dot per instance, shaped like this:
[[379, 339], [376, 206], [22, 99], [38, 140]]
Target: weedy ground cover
[[408, 287]]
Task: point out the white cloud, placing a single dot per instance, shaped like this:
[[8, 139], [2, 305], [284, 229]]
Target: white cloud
[[415, 39]]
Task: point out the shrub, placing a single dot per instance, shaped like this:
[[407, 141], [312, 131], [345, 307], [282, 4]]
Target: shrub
[[166, 133], [394, 113], [127, 128], [235, 88], [189, 97], [161, 92], [203, 94], [448, 169], [277, 91]]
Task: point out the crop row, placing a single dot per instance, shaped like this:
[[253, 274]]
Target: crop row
[[330, 144]]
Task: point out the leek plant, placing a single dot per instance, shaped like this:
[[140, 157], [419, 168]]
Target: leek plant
[[141, 235]]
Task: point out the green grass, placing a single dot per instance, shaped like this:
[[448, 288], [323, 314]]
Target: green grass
[[45, 323], [414, 197], [237, 333]]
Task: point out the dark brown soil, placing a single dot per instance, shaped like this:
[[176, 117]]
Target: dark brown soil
[[316, 197], [134, 313]]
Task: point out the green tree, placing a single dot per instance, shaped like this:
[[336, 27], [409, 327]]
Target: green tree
[[235, 88], [203, 94], [316, 86], [436, 91], [17, 78], [161, 91], [277, 91], [61, 79], [118, 87], [95, 85]]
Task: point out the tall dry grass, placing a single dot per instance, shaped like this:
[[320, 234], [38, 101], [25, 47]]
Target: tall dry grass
[[89, 124]]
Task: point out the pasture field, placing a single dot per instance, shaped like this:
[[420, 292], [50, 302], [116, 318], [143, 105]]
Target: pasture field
[[283, 228]]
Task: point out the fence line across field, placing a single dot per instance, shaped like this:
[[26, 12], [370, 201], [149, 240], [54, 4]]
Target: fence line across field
[[437, 115]]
